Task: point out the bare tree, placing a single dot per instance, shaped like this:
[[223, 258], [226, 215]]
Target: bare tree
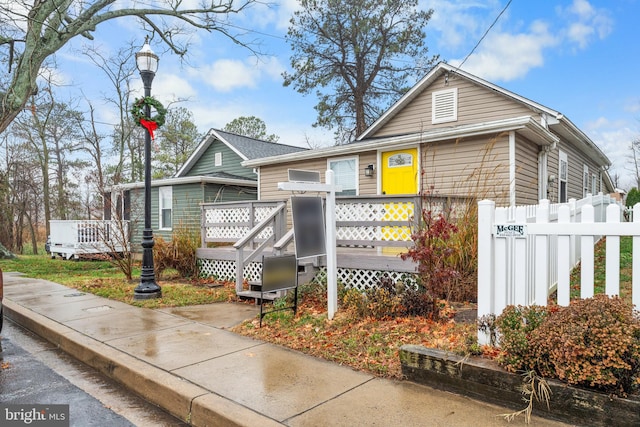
[[635, 160], [51, 134], [34, 30], [357, 56]]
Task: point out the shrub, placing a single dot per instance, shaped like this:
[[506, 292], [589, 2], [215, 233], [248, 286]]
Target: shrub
[[390, 299], [162, 255], [593, 342], [434, 255], [515, 326], [179, 253], [185, 241]]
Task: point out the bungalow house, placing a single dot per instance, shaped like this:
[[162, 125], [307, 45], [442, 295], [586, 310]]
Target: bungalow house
[[456, 134], [213, 173]]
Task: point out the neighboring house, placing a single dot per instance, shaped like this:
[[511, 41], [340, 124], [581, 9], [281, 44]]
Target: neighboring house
[[213, 173], [456, 134]]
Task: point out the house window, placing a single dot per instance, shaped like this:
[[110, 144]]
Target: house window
[[444, 106], [594, 184], [585, 181], [218, 159], [165, 202], [345, 172], [563, 172]]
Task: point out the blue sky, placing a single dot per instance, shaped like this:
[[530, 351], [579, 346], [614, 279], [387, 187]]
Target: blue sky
[[579, 57]]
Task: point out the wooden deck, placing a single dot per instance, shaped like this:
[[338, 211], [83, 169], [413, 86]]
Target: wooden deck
[[351, 258]]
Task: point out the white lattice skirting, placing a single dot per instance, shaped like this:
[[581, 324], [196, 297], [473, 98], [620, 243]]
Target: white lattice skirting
[[350, 278]]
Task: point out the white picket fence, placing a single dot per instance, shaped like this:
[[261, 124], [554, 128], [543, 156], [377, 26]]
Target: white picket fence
[[527, 252]]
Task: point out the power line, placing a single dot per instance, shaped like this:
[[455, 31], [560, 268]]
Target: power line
[[484, 35]]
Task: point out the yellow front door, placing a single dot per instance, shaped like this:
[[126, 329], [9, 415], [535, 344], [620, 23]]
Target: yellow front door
[[400, 171], [399, 176]]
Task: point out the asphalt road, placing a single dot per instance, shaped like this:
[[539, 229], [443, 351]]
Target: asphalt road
[[32, 371]]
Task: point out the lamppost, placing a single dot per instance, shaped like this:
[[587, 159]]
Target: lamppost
[[147, 63]]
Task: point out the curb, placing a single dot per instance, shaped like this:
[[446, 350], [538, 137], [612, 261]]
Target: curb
[[484, 380], [182, 399]]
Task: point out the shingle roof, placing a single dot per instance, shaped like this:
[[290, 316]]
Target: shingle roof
[[245, 147], [226, 175], [253, 148]]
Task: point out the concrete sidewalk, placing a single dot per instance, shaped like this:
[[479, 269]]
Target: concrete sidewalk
[[185, 361]]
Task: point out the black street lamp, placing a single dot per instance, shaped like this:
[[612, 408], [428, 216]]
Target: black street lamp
[[147, 63]]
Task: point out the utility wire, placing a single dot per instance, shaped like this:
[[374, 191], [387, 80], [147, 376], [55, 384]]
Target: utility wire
[[483, 36]]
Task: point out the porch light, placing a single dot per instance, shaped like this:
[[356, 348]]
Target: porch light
[[368, 171]]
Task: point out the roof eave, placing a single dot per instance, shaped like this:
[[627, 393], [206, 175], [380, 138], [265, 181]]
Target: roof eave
[[525, 123], [185, 180]]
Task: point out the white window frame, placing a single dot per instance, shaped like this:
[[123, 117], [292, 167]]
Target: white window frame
[[165, 193], [594, 184], [585, 180], [356, 173], [563, 176], [444, 106], [217, 158]]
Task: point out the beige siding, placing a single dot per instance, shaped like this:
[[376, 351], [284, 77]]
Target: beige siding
[[552, 169], [368, 185], [478, 166], [526, 172], [270, 175], [577, 160], [476, 104]]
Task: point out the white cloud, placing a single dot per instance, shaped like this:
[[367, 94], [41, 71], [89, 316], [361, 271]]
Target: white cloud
[[585, 22], [225, 75], [458, 21], [504, 56], [614, 138]]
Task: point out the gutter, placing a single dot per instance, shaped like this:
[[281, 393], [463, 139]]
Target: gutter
[[514, 124], [185, 180]]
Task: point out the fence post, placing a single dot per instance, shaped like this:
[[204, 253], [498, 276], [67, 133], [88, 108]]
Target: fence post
[[519, 286], [486, 211], [502, 263], [564, 257], [613, 254], [635, 287], [586, 253], [542, 256]]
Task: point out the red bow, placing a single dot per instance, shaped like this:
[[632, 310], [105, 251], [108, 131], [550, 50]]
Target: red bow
[[149, 125]]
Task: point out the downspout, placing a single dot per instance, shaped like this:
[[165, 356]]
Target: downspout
[[512, 168], [543, 172]]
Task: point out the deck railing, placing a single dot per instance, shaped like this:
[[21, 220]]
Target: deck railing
[[363, 221], [73, 238]]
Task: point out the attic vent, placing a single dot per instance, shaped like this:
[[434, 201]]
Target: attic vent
[[444, 106]]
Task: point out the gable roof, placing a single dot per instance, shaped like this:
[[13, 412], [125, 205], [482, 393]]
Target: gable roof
[[556, 120], [245, 147]]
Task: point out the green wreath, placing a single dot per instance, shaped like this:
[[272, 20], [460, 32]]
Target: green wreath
[[139, 112]]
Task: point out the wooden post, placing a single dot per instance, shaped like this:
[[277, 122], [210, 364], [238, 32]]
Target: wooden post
[[613, 254]]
